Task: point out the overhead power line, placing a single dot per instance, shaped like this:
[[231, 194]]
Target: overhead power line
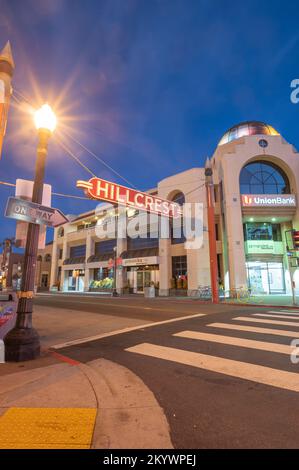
[[99, 159], [71, 154], [4, 183]]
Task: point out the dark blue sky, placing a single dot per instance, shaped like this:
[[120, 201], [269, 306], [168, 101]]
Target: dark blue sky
[[149, 85]]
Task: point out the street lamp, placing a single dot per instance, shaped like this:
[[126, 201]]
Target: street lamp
[[22, 342]]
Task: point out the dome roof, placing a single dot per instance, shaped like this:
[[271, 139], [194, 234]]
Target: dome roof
[[247, 128]]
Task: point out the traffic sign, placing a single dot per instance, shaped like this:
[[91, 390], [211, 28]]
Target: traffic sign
[[28, 211]]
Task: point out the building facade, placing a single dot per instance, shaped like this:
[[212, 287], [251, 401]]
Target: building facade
[[256, 177], [12, 267]]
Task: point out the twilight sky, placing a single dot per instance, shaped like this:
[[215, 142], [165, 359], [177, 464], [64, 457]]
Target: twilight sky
[[148, 85]]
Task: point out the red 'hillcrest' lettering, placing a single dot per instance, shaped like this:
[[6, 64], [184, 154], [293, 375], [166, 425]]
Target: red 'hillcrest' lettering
[[103, 190]]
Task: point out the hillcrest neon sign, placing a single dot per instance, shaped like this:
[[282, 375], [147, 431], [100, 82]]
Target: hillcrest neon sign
[[97, 188], [268, 200]]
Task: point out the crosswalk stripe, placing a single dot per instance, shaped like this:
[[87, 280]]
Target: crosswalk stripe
[[272, 322], [241, 370], [274, 316], [285, 312], [256, 329], [246, 343]]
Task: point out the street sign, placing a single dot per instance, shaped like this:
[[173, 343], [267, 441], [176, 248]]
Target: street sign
[[28, 211], [24, 190], [97, 188]]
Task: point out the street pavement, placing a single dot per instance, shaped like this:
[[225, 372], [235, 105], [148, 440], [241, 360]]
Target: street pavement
[[61, 318], [224, 379], [156, 373]]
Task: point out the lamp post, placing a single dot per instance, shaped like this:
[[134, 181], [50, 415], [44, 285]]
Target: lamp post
[[212, 232], [22, 342], [114, 292]]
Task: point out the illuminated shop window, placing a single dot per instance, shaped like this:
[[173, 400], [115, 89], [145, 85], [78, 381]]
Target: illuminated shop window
[[262, 231]]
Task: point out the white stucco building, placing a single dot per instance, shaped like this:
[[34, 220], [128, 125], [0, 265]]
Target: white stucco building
[[256, 178]]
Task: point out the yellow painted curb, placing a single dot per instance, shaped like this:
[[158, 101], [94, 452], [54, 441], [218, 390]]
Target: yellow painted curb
[[47, 428]]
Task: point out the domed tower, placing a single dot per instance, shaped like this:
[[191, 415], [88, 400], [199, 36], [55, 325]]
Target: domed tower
[[256, 174], [247, 128]]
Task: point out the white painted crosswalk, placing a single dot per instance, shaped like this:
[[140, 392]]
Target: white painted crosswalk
[[255, 329], [241, 369], [272, 322], [232, 341], [269, 315], [284, 312]]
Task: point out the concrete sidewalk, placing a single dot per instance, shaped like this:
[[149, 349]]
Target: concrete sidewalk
[[57, 403]]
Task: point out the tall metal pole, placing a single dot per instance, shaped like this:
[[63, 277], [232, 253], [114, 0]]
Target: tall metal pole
[[291, 269], [22, 342], [212, 232], [114, 292]]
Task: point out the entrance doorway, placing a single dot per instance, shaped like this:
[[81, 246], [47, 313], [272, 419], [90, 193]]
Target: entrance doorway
[[266, 278], [44, 281], [143, 280], [139, 277]]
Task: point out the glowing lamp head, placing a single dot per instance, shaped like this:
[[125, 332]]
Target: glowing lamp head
[[44, 118]]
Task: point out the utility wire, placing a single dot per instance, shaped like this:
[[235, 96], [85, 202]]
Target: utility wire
[[59, 141], [99, 159], [4, 183], [16, 99], [7, 184], [71, 196], [22, 96]]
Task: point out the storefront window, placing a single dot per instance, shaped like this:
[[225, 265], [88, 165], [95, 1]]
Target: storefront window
[[76, 280], [102, 273], [262, 231], [179, 272], [265, 278]]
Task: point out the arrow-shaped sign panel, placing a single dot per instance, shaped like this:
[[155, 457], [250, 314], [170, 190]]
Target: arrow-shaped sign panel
[[31, 212]]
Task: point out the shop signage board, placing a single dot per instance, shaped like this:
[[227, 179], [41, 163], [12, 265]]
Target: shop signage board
[[141, 261], [97, 188], [268, 200], [264, 246], [28, 211]]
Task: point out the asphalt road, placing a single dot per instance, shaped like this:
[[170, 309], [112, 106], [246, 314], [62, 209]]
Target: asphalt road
[[235, 388]]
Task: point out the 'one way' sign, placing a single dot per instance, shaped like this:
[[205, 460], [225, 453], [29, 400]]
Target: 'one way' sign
[[28, 211]]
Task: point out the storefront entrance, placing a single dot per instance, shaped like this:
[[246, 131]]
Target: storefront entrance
[[139, 277], [76, 280], [266, 277], [143, 280]]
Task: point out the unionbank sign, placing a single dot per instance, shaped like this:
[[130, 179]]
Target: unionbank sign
[[268, 200]]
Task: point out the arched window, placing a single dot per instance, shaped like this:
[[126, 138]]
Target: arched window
[[176, 226], [263, 178], [61, 232], [39, 258], [179, 198], [48, 258]]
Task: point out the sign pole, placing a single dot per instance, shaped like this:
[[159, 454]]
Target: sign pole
[[212, 232], [22, 342]]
